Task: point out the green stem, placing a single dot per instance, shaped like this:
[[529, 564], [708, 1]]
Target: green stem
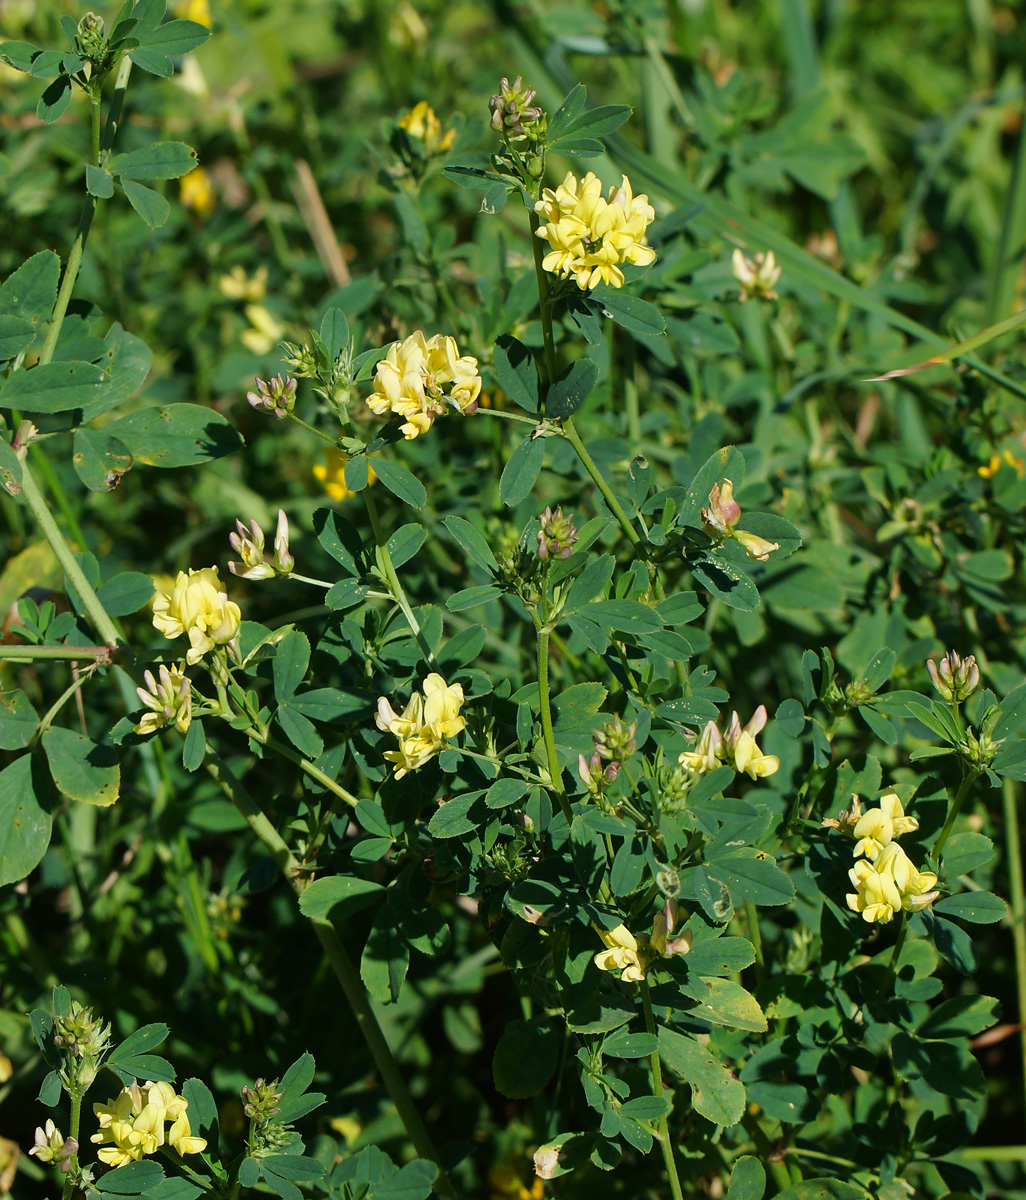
[[396, 588], [968, 779], [76, 1118], [574, 438], [899, 942], [345, 972], [325, 437], [755, 933], [666, 1145], [1018, 901], [313, 771], [545, 301], [546, 719], [48, 527], [321, 583], [507, 416], [69, 653]]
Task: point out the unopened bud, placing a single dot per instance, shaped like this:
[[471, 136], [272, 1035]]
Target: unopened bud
[[557, 535], [615, 740], [248, 543], [277, 395], [956, 678], [262, 1101], [756, 275], [51, 1146], [514, 114]]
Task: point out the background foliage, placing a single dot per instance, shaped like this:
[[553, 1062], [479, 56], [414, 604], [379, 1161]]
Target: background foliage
[[876, 151]]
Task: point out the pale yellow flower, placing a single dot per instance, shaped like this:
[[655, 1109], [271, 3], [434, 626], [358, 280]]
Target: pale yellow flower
[[428, 720], [265, 331], [198, 607], [737, 748], [132, 1124], [419, 378], [237, 285], [195, 10], [889, 884], [422, 123], [590, 235], [196, 192], [706, 753], [723, 514], [878, 827], [621, 954]]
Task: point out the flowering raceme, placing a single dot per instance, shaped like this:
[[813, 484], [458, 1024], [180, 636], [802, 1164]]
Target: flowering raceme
[[589, 236], [420, 377], [427, 721], [737, 748], [132, 1124], [169, 701], [197, 605]]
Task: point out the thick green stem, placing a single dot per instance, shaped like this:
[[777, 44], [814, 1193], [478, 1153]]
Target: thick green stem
[[1018, 901], [549, 736], [574, 438], [68, 653], [665, 1143], [344, 969], [396, 588], [102, 622], [73, 1131], [544, 300], [313, 771], [968, 779]]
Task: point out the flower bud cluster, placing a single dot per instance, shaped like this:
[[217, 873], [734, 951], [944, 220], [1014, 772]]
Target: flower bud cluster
[[262, 1101], [736, 748], [84, 1039], [885, 879], [248, 543], [721, 517], [557, 535], [169, 700], [956, 678], [277, 395], [514, 113]]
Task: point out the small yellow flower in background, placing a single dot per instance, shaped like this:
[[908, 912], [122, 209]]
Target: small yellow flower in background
[[406, 27], [169, 701], [756, 275], [1006, 457], [332, 474], [723, 514], [132, 1124], [195, 10], [428, 720], [198, 606], [622, 954], [264, 333], [422, 123], [589, 235], [505, 1183], [237, 285], [420, 377], [196, 193]]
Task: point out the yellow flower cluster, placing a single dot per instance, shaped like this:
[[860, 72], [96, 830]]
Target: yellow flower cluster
[[132, 1124], [422, 123], [631, 957], [589, 236], [884, 877], [426, 722], [196, 192], [418, 378], [197, 605], [332, 475], [736, 748]]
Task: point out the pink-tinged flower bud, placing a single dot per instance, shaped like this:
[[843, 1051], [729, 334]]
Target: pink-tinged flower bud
[[277, 395], [956, 678], [754, 546], [723, 512], [557, 535], [284, 561]]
